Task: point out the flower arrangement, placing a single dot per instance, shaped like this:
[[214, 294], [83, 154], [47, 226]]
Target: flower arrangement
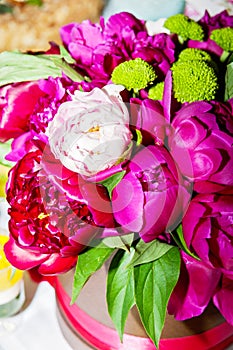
[[121, 140]]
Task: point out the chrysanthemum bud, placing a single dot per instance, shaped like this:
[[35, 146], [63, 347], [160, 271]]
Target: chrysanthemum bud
[[134, 74]]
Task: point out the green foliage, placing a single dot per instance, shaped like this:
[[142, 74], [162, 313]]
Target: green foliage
[[229, 82], [134, 74], [89, 262], [156, 91], [35, 2], [147, 252], [4, 8], [223, 37], [154, 283], [120, 289], [145, 275], [112, 181], [194, 81], [180, 241], [120, 242], [19, 67], [185, 27], [5, 148]]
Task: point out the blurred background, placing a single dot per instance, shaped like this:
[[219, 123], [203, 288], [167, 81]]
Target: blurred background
[[31, 24]]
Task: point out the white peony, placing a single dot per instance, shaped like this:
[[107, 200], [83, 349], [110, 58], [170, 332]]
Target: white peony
[[91, 133]]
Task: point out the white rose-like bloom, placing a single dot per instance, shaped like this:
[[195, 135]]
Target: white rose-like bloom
[[91, 133], [156, 27]]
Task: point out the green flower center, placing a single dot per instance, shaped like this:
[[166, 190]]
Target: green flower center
[[185, 27], [194, 81], [223, 37], [135, 74], [156, 91], [190, 54]]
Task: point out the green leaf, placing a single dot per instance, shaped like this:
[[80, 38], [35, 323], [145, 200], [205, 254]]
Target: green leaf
[[180, 241], [154, 283], [120, 290], [5, 9], [147, 252], [66, 55], [35, 2], [5, 148], [89, 262], [66, 68], [229, 82], [121, 242], [18, 67], [112, 181], [230, 58]]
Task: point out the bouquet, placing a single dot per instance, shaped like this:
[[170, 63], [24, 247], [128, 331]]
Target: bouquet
[[121, 142]]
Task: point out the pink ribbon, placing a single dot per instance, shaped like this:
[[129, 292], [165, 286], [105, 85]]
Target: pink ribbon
[[102, 337]]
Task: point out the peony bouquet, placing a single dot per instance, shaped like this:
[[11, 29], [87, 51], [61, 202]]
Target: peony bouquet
[[121, 142]]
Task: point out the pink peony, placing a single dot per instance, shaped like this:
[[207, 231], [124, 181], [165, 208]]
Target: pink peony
[[204, 132], [99, 48], [16, 106], [208, 230], [151, 198]]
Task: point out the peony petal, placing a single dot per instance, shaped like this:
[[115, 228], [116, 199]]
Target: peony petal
[[167, 96], [223, 299], [65, 32], [117, 23], [20, 100], [127, 203], [56, 264], [155, 222], [191, 219], [82, 237], [201, 282], [98, 204], [22, 259]]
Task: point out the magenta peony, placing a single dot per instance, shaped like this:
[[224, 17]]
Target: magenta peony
[[151, 198], [204, 131], [207, 228], [99, 48], [16, 106]]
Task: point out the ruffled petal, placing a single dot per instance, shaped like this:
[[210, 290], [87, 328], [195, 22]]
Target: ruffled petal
[[56, 264], [22, 259], [127, 203], [194, 289]]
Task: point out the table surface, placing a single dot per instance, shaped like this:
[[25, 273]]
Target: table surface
[[37, 327]]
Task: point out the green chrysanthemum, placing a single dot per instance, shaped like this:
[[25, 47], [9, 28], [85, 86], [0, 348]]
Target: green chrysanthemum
[[194, 81], [156, 91], [134, 74], [223, 37], [185, 27], [191, 54]]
